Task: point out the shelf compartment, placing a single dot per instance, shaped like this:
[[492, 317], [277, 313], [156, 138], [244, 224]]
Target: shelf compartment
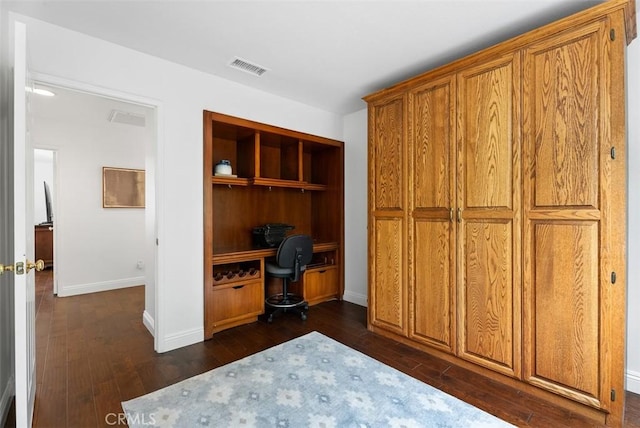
[[322, 259], [319, 163], [279, 157], [233, 273], [236, 144]]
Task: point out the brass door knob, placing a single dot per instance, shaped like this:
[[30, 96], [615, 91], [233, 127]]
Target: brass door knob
[[5, 268], [39, 265]]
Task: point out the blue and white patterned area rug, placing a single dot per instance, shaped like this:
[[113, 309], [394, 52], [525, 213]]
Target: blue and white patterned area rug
[[311, 381]]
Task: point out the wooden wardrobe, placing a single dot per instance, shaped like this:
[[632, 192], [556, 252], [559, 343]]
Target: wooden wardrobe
[[497, 210]]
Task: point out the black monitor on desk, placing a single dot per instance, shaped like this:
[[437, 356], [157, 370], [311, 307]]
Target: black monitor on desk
[[47, 203]]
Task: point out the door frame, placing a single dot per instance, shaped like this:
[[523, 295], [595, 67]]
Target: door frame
[[153, 324]]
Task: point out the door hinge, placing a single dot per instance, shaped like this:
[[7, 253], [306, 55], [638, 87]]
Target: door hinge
[[613, 395], [612, 34], [157, 241], [613, 277], [613, 152]]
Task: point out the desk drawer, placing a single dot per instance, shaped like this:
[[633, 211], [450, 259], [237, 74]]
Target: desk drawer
[[231, 302], [321, 284]]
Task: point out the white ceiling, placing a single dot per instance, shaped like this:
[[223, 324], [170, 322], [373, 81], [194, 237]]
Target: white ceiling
[[327, 54]]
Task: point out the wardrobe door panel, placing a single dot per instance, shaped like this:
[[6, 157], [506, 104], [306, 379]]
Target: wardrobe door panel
[[388, 298], [432, 196], [488, 215], [567, 195]]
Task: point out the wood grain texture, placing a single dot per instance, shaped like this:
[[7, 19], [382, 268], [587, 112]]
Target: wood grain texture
[[567, 306], [321, 284], [573, 94], [432, 139], [489, 195], [388, 135], [487, 292], [614, 236], [631, 21], [432, 196], [258, 206], [389, 296], [559, 91], [486, 124], [433, 284], [235, 301], [566, 113]]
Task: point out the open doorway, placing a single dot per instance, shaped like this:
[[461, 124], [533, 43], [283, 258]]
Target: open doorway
[[96, 247]]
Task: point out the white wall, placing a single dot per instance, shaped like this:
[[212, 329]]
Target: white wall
[[633, 218], [42, 171], [355, 215], [182, 94]]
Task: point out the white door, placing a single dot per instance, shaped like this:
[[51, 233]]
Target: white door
[[23, 229]]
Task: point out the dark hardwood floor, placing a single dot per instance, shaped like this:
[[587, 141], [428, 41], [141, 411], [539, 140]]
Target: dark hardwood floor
[[93, 352]]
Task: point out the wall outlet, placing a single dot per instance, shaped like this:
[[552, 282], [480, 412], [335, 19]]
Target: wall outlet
[[140, 264]]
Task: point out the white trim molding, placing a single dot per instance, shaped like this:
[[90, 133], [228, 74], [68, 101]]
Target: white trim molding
[[95, 287], [180, 339], [356, 298], [633, 381], [148, 322]]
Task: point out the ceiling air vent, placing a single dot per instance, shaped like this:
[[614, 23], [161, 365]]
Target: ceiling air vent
[[247, 67], [127, 118]]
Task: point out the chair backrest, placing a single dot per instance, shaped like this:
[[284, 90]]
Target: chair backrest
[[295, 251]]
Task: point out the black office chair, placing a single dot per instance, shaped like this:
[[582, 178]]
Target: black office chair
[[294, 253]]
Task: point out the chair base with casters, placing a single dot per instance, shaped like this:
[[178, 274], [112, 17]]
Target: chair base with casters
[[294, 253], [291, 303]]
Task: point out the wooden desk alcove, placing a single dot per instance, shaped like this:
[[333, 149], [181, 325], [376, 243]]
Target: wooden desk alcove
[[281, 176]]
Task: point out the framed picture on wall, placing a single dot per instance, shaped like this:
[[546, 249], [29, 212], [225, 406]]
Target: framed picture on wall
[[122, 188]]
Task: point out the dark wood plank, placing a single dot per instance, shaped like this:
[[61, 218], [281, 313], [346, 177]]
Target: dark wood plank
[[93, 353]]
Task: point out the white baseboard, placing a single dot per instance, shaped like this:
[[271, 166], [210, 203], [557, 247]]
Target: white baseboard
[[633, 381], [5, 400], [148, 322], [357, 298], [73, 290], [178, 340]]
